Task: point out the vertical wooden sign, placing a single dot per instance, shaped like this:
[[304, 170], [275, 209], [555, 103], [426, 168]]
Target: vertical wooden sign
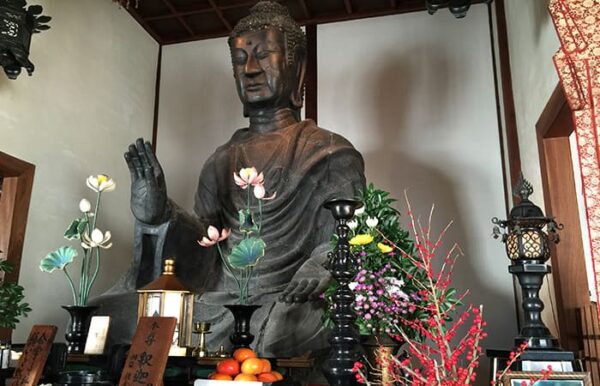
[[36, 351], [147, 358]]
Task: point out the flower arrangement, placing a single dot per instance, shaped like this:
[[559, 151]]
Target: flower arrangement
[[244, 256], [92, 240], [11, 297], [386, 284], [441, 357]]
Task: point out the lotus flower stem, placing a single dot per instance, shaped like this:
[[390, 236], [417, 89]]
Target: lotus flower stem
[[72, 286], [96, 270], [224, 261]]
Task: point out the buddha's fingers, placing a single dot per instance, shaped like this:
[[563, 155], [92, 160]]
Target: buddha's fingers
[[289, 289], [302, 297], [135, 159], [131, 167], [158, 172]]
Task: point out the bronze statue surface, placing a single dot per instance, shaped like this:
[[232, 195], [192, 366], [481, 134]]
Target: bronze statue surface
[[306, 166]]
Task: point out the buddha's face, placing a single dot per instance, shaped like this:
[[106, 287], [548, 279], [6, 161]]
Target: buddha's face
[[263, 77]]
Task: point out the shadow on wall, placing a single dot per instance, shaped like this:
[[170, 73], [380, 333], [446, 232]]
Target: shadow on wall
[[541, 18], [427, 184]]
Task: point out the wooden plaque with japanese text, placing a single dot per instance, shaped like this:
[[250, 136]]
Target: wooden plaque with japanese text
[[35, 353], [147, 358]]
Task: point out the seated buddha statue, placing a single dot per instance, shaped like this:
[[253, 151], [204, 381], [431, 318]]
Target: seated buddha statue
[[305, 164]]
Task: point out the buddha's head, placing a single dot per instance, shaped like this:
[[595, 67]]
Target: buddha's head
[[268, 52]]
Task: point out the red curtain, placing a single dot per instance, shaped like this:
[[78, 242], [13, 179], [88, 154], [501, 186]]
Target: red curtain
[[577, 61]]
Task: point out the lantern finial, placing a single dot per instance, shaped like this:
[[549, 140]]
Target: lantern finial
[[169, 268], [523, 189]]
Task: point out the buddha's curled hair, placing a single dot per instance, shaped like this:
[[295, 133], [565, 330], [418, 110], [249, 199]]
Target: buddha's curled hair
[[269, 14]]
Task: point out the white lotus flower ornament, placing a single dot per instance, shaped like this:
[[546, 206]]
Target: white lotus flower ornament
[[97, 239], [101, 183]]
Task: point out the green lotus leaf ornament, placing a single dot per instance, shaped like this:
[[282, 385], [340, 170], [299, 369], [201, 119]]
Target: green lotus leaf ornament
[[76, 228], [58, 259], [247, 253]]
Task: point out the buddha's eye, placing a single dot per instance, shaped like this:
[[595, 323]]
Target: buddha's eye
[[264, 54], [239, 57]]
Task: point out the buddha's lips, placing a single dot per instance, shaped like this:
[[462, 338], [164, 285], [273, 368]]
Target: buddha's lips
[[254, 86]]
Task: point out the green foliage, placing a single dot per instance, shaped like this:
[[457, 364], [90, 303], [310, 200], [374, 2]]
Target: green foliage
[[387, 263], [11, 297]]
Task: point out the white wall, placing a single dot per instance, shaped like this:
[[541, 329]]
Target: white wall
[[92, 93], [415, 95], [532, 42]]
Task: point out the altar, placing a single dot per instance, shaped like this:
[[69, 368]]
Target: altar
[[300, 208]]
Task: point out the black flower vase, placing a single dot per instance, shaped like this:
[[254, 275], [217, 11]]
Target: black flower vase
[[242, 314], [78, 327], [378, 351]]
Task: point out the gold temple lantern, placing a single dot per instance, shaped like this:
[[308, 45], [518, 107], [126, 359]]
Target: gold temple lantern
[[167, 296]]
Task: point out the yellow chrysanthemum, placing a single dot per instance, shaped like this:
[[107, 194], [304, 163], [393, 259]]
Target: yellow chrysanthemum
[[361, 239], [384, 248]]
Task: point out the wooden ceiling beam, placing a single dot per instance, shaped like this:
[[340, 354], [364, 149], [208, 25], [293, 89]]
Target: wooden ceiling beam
[[179, 18], [144, 24], [220, 14], [200, 11], [304, 8], [348, 6]]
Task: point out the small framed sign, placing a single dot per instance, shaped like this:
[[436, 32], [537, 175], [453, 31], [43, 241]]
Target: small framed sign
[[147, 358], [555, 379], [96, 340], [34, 356]]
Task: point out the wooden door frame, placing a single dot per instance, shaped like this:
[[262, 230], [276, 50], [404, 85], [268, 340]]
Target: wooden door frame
[[553, 129], [14, 209]]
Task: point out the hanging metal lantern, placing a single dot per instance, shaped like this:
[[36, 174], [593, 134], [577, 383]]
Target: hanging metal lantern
[[167, 296], [17, 24]]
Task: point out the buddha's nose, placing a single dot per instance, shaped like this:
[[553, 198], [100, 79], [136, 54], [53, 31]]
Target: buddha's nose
[[252, 67]]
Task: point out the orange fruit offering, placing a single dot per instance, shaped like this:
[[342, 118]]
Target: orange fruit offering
[[267, 377], [266, 366], [277, 375], [228, 367], [220, 377], [241, 354], [245, 377], [252, 366]]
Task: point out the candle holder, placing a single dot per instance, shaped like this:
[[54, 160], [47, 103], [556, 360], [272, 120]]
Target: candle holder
[[201, 329], [341, 264]]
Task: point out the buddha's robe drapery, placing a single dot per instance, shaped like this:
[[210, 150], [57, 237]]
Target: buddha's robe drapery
[[306, 166]]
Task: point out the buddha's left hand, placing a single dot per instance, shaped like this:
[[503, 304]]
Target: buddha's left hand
[[301, 291]]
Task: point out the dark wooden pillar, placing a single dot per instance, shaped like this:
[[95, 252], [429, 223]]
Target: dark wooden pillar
[[311, 72]]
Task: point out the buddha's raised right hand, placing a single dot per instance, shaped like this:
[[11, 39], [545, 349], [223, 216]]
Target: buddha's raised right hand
[[148, 188]]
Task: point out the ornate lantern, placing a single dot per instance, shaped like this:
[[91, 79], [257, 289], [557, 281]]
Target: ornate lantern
[[167, 296], [458, 8], [527, 234], [17, 24]]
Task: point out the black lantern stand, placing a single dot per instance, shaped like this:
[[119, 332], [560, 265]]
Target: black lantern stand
[[344, 337], [527, 235]]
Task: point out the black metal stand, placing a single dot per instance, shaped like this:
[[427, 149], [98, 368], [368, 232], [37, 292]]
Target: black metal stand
[[531, 277], [344, 337]]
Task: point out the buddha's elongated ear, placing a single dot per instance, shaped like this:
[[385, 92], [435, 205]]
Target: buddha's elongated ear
[[297, 97]]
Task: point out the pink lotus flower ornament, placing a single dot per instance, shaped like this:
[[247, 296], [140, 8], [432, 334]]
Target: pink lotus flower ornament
[[214, 236], [259, 192], [248, 176]]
